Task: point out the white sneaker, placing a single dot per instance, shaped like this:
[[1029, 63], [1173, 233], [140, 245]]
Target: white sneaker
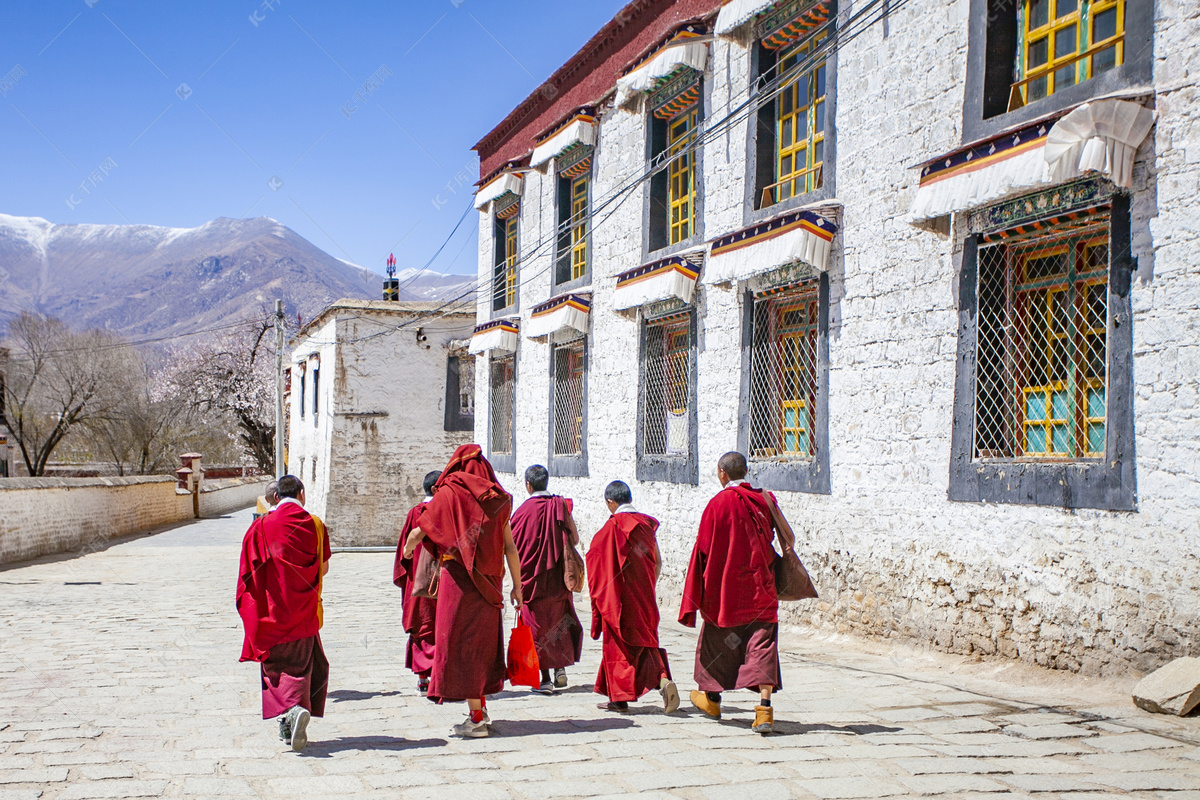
[[471, 730], [670, 695], [545, 688], [299, 725], [560, 678]]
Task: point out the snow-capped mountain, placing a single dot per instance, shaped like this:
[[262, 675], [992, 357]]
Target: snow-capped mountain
[[144, 280], [425, 284]]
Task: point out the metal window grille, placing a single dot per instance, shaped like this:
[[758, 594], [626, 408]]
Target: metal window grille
[[783, 376], [668, 390], [1041, 376], [569, 366], [503, 387], [466, 385], [681, 172]]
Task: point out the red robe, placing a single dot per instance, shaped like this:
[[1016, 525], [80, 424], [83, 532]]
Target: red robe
[[731, 577], [621, 583], [419, 613], [540, 532], [465, 520], [279, 582]]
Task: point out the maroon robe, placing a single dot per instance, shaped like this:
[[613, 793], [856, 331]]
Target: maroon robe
[[731, 583], [465, 520], [621, 583], [540, 532], [419, 614], [278, 595]]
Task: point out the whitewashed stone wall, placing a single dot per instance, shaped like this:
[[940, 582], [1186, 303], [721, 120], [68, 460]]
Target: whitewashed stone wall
[[1083, 590], [381, 425]]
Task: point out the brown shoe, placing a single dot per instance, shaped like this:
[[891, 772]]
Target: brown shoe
[[764, 720], [700, 700]]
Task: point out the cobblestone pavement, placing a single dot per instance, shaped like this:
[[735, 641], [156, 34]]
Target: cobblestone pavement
[[120, 679]]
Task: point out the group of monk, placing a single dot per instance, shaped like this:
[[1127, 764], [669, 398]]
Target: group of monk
[[451, 561]]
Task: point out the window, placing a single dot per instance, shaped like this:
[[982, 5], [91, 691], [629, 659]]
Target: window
[[568, 404], [573, 266], [1064, 42], [460, 392], [1042, 362], [303, 397], [1043, 409], [792, 124], [783, 382], [316, 404], [502, 394], [1031, 58], [667, 436], [504, 276], [674, 191]]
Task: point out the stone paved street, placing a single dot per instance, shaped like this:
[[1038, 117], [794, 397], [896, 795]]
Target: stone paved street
[[120, 679]]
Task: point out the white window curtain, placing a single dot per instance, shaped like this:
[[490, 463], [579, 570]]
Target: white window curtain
[[736, 13], [581, 130], [684, 53], [500, 185], [801, 236]]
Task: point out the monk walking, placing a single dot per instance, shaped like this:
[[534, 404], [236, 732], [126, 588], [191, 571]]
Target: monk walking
[[731, 583], [623, 565], [419, 614], [543, 529], [467, 521], [284, 556]]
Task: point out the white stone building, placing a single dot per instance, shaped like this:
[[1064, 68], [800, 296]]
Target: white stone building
[[946, 305], [378, 399]]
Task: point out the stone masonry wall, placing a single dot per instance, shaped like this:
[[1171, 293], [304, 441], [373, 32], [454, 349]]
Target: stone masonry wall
[[1083, 590]]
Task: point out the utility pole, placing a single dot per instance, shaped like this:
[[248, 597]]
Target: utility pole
[[280, 467]]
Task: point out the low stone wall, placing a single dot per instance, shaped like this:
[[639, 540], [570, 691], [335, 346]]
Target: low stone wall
[[42, 516]]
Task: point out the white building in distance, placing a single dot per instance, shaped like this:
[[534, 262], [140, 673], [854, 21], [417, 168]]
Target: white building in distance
[[930, 265], [381, 393]]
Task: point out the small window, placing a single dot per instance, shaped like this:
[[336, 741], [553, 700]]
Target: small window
[[784, 376], [1042, 363], [674, 215], [502, 394], [504, 276], [460, 392], [1065, 42], [569, 404], [316, 400], [303, 397], [573, 265], [667, 435]]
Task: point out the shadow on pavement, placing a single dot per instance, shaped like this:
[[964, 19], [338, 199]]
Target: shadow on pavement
[[534, 727], [345, 695], [785, 728], [367, 744]]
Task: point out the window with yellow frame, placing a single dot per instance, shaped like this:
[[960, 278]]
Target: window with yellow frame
[[681, 175], [504, 276], [783, 384], [1065, 42], [580, 188], [800, 123]]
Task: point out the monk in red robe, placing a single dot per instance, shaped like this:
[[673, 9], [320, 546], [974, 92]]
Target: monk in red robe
[[285, 554], [731, 583], [418, 613], [467, 521], [542, 530], [623, 565]]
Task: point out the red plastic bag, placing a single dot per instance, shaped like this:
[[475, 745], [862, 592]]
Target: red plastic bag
[[523, 667]]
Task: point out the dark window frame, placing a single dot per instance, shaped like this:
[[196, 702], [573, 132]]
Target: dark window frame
[[455, 420], [992, 51], [1108, 484], [575, 466], [655, 242], [499, 256], [503, 462], [669, 469], [316, 400], [303, 390], [760, 148], [563, 201], [810, 476]]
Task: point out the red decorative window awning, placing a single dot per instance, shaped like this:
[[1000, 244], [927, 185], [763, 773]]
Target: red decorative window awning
[[791, 21]]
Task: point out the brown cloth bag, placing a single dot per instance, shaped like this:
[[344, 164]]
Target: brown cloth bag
[[426, 569], [791, 578], [573, 569]]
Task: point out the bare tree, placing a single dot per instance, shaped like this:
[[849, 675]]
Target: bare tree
[[140, 434], [57, 379], [234, 375]]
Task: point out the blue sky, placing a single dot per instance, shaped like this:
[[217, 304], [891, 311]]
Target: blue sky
[[173, 113]]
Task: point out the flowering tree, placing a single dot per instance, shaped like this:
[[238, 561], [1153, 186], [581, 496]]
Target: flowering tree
[[234, 374]]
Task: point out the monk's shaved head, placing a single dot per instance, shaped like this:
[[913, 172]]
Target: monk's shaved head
[[430, 479], [618, 492], [290, 486], [537, 477], [733, 464]]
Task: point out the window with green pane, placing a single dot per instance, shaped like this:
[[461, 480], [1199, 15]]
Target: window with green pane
[[800, 120], [681, 175], [1065, 42]]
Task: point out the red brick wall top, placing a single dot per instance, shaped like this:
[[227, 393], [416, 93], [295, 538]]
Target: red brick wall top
[[586, 77]]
